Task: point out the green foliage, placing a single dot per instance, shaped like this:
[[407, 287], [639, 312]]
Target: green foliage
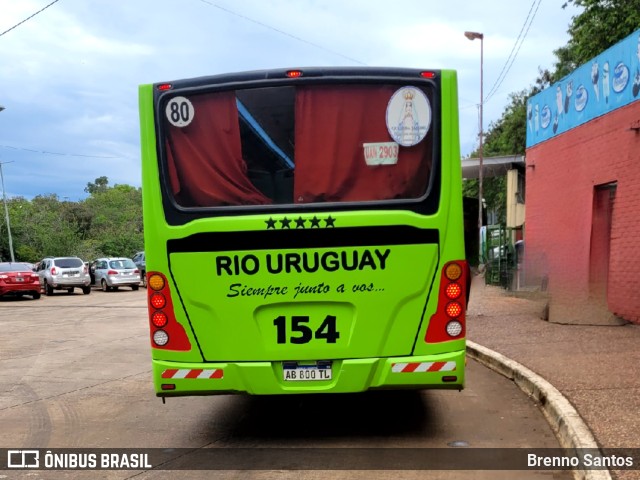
[[101, 184], [507, 136], [107, 223], [601, 24]]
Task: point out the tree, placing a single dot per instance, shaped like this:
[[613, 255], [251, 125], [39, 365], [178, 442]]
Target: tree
[[600, 25], [100, 184], [116, 225], [108, 223]]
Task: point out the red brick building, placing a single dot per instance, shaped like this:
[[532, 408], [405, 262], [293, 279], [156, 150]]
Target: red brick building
[[582, 223]]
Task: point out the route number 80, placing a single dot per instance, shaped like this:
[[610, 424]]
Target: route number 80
[[179, 111]]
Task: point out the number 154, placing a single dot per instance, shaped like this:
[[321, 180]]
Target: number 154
[[300, 332]]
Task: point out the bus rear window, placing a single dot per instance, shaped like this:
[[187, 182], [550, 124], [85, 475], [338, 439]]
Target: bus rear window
[[299, 145]]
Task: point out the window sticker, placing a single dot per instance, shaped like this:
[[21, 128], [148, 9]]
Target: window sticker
[[385, 153], [180, 111], [408, 116]]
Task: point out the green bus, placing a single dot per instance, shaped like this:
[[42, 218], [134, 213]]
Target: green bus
[[304, 231]]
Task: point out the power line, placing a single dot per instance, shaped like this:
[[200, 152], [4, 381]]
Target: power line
[[56, 153], [516, 48], [29, 17], [282, 32]]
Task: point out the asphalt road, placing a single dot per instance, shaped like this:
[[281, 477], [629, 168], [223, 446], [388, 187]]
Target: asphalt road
[[75, 373]]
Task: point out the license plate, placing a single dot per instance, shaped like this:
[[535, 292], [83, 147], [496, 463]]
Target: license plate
[[306, 372]]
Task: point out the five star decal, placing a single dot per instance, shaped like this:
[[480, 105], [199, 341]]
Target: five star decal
[[300, 222]]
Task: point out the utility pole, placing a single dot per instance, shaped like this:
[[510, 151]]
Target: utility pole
[[6, 209], [479, 36], [6, 212]]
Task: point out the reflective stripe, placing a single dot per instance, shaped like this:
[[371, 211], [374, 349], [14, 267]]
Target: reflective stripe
[[193, 373], [421, 367]]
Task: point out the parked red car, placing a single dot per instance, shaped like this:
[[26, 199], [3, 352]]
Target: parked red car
[[19, 279]]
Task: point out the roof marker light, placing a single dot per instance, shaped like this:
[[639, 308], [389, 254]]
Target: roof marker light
[[428, 74], [294, 73]]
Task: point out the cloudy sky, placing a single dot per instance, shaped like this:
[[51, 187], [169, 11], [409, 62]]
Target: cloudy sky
[[69, 75]]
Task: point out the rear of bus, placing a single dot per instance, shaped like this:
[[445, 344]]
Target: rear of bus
[[304, 231]]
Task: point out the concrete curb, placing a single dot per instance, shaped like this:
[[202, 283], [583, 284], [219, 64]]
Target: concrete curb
[[565, 421]]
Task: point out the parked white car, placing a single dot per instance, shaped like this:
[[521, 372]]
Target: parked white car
[[111, 273]]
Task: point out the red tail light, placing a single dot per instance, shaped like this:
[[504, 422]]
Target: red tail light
[[53, 271], [448, 323], [157, 300], [112, 272], [166, 332]]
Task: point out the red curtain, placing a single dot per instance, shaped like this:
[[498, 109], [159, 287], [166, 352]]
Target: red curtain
[[204, 158], [332, 124]]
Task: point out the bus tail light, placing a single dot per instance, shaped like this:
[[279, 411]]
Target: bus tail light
[[166, 332], [448, 323]]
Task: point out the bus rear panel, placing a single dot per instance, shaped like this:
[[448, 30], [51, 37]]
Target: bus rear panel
[[303, 231]]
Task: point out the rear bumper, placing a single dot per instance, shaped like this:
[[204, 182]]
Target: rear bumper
[[61, 282], [123, 281], [12, 288], [444, 371]]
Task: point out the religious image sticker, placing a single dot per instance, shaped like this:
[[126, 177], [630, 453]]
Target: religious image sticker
[[408, 116]]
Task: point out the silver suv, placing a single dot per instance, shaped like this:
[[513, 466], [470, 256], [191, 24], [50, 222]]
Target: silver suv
[[64, 273], [111, 273]]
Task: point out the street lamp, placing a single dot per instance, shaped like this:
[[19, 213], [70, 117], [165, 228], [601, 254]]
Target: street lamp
[[6, 210], [472, 36]]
